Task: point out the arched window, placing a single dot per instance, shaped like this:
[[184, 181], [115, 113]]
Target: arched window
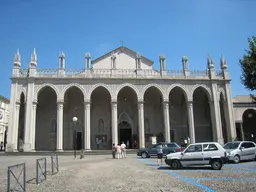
[[53, 126], [101, 126], [147, 125]]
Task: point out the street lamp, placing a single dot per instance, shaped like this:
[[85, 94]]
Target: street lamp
[[75, 139], [74, 135]]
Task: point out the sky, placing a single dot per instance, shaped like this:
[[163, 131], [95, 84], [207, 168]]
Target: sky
[[171, 27]]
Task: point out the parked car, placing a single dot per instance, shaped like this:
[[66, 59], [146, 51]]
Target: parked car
[[198, 154], [152, 151], [240, 150]]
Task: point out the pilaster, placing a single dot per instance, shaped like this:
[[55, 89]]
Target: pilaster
[[28, 119], [215, 115], [229, 113], [33, 128]]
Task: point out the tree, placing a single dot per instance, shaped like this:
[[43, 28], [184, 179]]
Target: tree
[[248, 66]]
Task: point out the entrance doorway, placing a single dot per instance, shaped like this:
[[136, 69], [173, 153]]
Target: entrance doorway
[[125, 133]]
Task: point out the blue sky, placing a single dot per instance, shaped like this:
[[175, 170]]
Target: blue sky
[[170, 27]]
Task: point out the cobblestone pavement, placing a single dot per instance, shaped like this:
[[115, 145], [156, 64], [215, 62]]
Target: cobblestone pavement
[[102, 173]]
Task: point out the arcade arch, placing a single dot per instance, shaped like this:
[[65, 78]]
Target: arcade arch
[[101, 133], [46, 115], [127, 104], [178, 115], [153, 115], [73, 135], [202, 115]]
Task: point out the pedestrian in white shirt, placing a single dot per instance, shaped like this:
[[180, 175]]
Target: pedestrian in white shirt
[[118, 151], [123, 150]]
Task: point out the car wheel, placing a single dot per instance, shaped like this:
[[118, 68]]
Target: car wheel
[[175, 164], [216, 164], [236, 159], [144, 155]]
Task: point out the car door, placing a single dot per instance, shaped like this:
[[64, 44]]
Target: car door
[[153, 150], [245, 151], [251, 149], [193, 155]]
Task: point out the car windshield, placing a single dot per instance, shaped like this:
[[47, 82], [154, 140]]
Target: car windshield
[[231, 145]]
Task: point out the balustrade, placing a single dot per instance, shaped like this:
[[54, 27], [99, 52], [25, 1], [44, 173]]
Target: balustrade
[[119, 73]]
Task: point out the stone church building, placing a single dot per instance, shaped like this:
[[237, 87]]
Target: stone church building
[[116, 98]]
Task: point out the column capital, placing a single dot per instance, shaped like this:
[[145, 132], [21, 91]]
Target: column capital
[[114, 102], [190, 102], [166, 101], [60, 101], [141, 101], [17, 102], [34, 102], [87, 102]]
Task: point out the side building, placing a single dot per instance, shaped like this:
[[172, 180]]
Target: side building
[[118, 97], [4, 117]]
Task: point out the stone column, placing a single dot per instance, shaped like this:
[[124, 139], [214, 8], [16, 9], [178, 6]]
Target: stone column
[[191, 121], [59, 135], [114, 122], [33, 129], [166, 121], [141, 124], [87, 125]]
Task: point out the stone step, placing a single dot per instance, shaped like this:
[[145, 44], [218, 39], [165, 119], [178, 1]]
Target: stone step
[[49, 153]]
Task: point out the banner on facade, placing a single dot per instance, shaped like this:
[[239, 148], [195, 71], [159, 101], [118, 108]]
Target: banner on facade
[[153, 140]]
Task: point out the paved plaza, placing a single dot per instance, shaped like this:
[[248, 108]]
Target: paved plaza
[[101, 173]]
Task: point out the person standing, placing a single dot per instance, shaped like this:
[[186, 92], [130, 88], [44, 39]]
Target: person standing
[[114, 151], [127, 144], [160, 154], [123, 150], [118, 150]]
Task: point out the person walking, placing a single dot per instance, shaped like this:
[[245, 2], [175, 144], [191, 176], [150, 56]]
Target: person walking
[[160, 154]]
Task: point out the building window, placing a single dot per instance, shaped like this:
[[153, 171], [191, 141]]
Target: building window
[[101, 126]]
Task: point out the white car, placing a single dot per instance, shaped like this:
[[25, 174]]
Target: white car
[[240, 150], [198, 154]]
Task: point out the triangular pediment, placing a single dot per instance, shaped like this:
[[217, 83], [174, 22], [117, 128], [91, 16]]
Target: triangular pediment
[[125, 59]]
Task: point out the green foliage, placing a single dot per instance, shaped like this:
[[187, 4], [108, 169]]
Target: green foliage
[[248, 66]]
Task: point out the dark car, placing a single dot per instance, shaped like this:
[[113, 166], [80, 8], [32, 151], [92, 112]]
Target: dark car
[[152, 151]]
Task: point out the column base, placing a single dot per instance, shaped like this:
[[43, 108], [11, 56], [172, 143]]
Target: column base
[[10, 148], [59, 150], [87, 150], [220, 141], [27, 147]]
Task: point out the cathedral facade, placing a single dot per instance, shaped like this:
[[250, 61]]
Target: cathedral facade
[[118, 97]]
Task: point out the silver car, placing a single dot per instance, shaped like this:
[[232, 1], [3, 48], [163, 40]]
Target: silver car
[[198, 154], [240, 150]]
